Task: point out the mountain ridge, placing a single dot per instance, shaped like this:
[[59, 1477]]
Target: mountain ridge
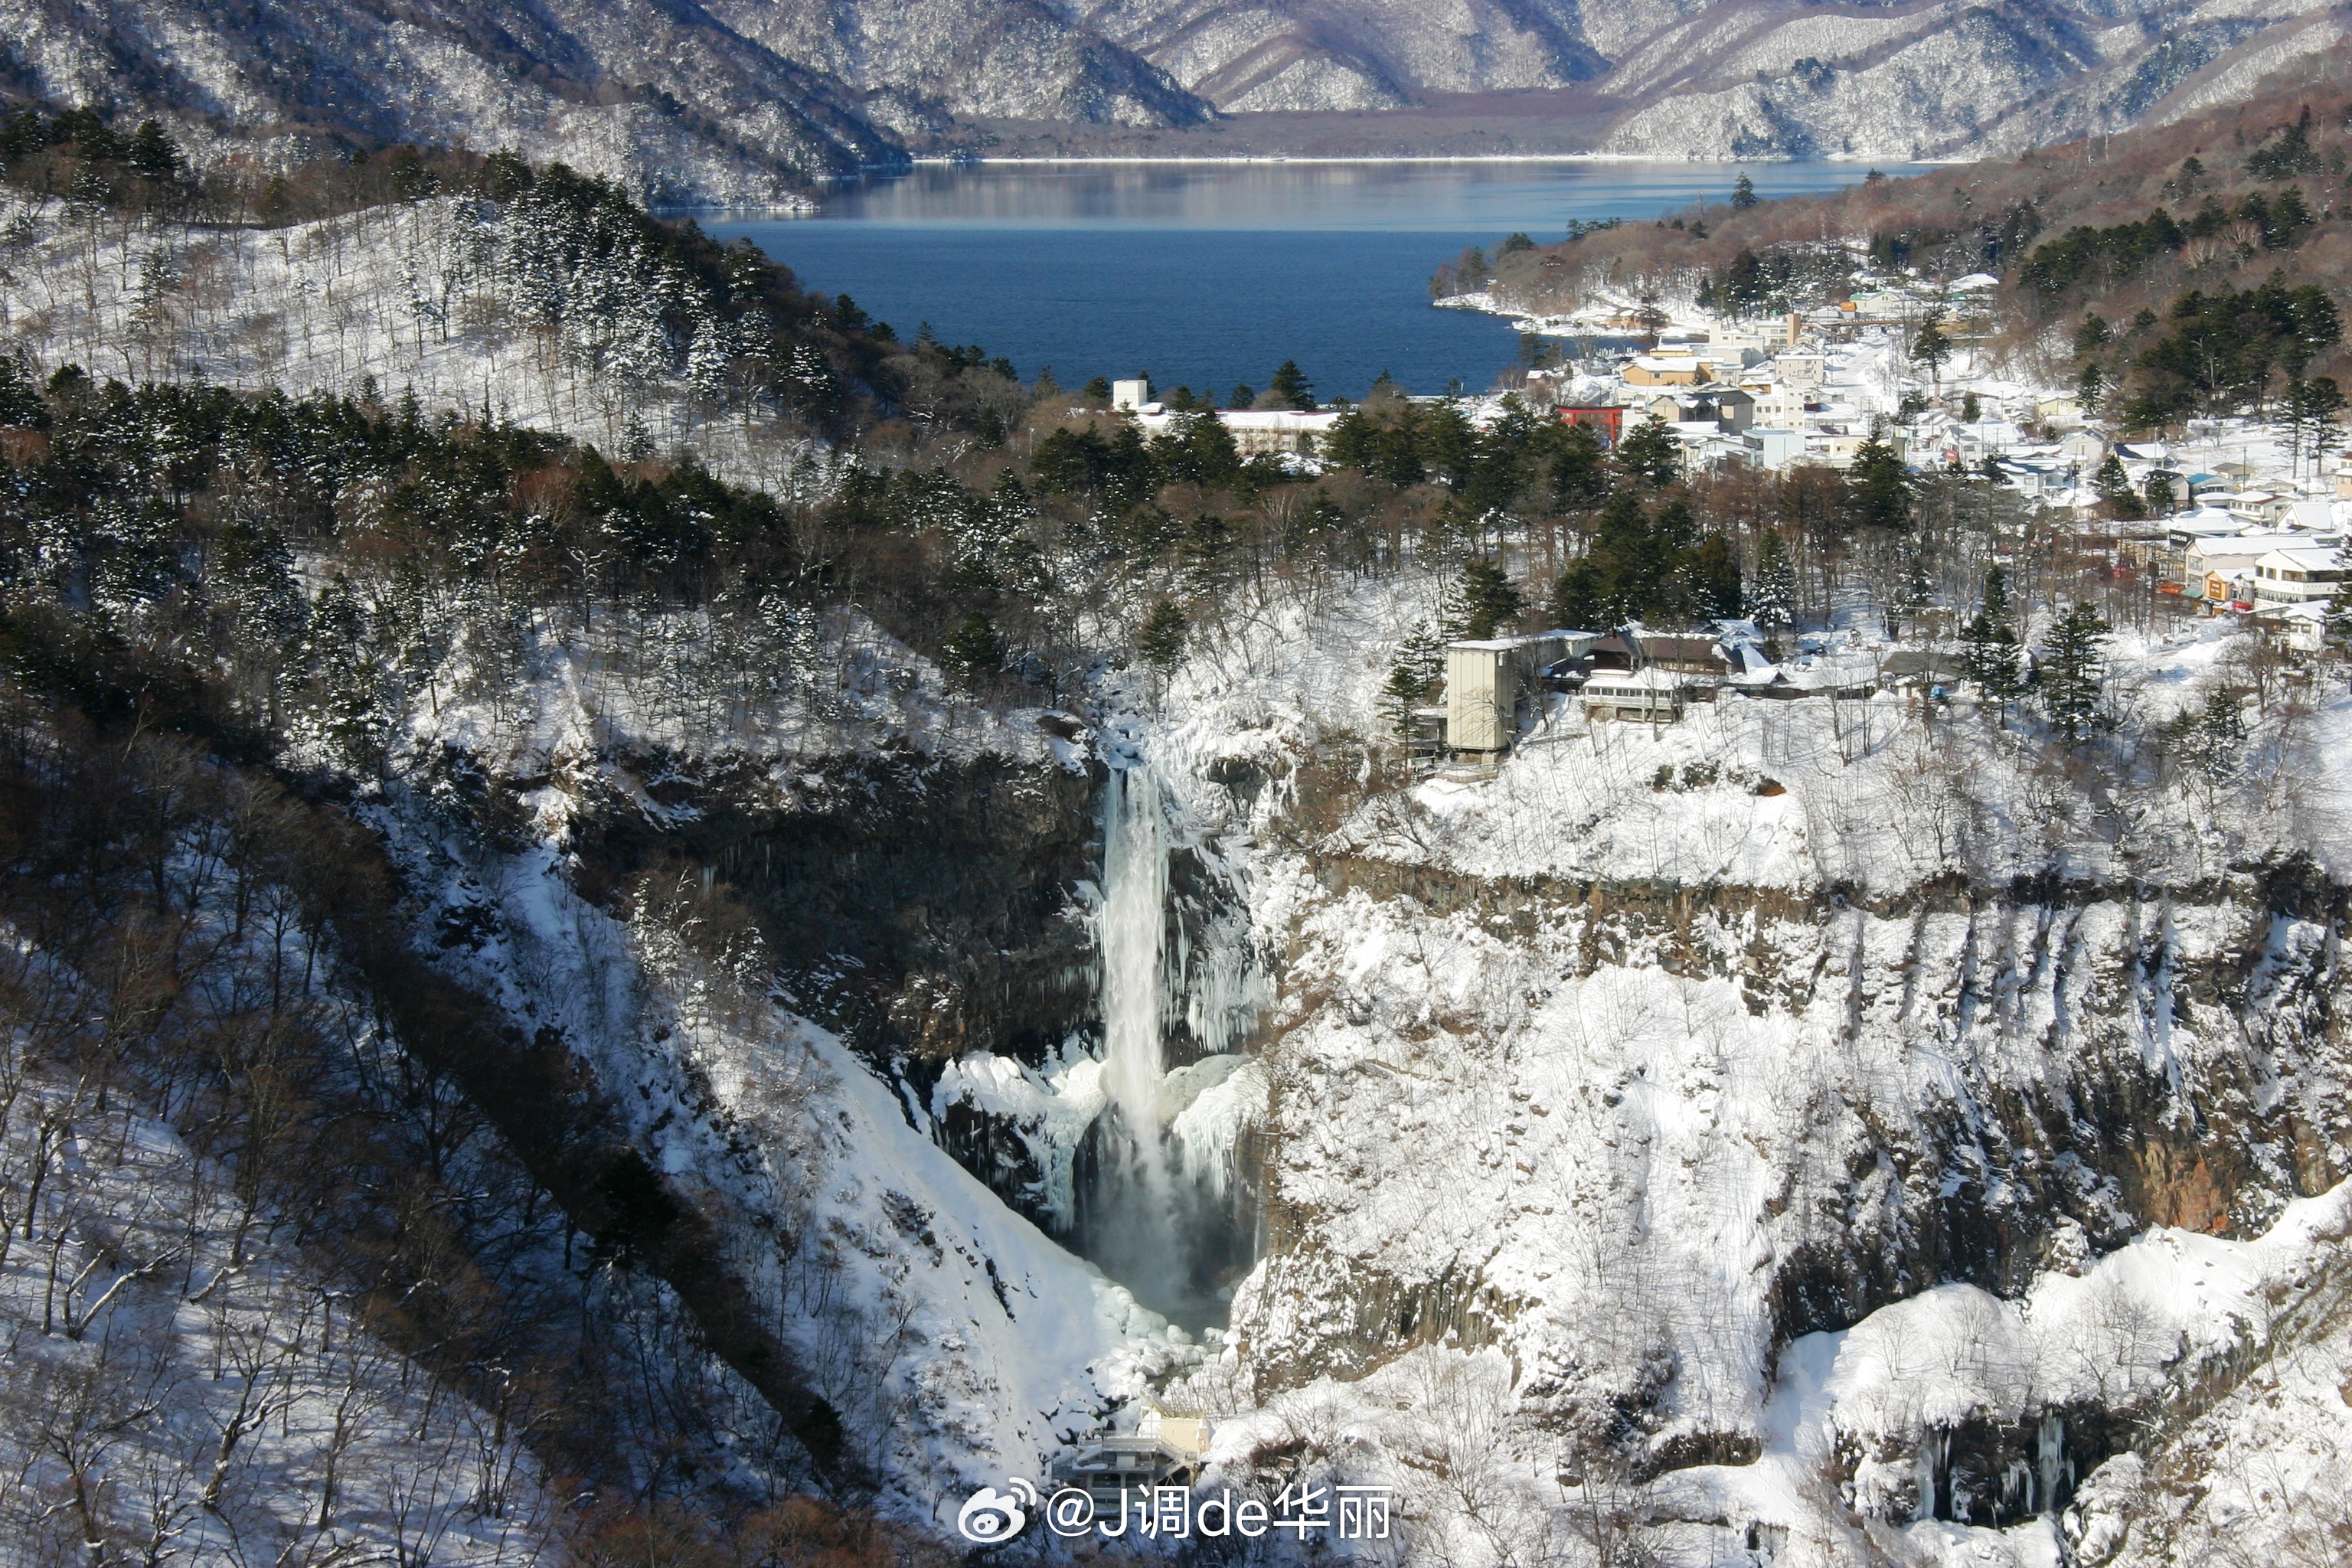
[[754, 100]]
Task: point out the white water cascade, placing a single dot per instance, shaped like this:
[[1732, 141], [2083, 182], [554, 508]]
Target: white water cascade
[[1159, 1216], [1132, 931]]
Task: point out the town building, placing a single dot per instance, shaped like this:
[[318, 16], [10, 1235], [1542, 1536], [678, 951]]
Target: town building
[[1260, 431], [1665, 370], [1725, 407], [2293, 577], [1107, 1470], [1648, 696], [1772, 448], [1806, 370], [2227, 559]]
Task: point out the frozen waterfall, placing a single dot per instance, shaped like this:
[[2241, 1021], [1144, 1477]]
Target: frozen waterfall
[[1132, 935], [1161, 1216]]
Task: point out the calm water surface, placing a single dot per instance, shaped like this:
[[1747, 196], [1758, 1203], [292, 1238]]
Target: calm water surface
[[1211, 274]]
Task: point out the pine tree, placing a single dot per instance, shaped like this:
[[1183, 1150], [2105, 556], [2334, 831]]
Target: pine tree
[[2091, 387], [1160, 640], [1412, 678], [973, 652], [1913, 600], [1989, 643], [2337, 629], [1743, 192], [1488, 597], [1714, 572], [1580, 474], [1878, 486], [2114, 487], [1291, 386], [2312, 407], [1931, 347], [154, 155], [1650, 453], [2074, 668], [1772, 602]]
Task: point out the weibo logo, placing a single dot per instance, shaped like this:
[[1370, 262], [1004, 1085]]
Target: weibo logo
[[989, 1515]]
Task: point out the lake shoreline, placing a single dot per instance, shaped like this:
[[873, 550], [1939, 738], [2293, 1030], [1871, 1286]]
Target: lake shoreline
[[1211, 273]]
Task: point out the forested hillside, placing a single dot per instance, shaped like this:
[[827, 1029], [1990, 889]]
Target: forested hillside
[[2123, 260], [754, 100]]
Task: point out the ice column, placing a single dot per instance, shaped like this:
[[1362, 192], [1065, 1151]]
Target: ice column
[[1134, 938]]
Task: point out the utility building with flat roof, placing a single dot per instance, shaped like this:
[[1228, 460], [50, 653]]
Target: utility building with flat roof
[[1486, 680]]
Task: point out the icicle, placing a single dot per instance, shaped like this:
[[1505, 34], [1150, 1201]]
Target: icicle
[[1166, 1145], [1935, 1451], [2050, 1459]]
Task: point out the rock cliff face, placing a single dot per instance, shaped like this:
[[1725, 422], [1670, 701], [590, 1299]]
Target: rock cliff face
[[1685, 1120], [1637, 1136], [922, 906]]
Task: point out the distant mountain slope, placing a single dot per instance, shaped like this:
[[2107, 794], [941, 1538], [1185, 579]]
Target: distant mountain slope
[[1252, 55], [682, 103], [1742, 78], [1954, 78], [1010, 58], [650, 91], [744, 99]]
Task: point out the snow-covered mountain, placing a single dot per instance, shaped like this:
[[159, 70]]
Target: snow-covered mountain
[[744, 99]]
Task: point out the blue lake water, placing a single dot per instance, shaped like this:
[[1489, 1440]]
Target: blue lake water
[[1210, 274]]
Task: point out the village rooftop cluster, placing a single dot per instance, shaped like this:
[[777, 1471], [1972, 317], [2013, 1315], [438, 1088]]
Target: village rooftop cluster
[[2251, 518]]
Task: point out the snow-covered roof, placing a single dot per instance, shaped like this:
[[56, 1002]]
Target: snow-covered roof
[[1505, 645], [1612, 680], [2307, 559]]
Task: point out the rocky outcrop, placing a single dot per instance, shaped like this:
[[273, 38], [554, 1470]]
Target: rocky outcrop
[[922, 906], [1548, 1115]]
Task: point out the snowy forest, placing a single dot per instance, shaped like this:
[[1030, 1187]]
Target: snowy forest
[[647, 923]]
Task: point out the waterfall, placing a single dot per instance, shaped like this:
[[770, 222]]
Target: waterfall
[[1136, 1229], [1132, 933], [1933, 1460], [2050, 1461], [1162, 1211]]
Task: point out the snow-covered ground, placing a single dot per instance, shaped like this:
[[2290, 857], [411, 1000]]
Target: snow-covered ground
[[957, 1343], [468, 305], [1593, 1080]]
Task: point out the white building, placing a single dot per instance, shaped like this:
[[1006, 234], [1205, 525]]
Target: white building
[[2296, 576], [1264, 430], [1255, 431], [1771, 449], [2235, 555], [1651, 695]]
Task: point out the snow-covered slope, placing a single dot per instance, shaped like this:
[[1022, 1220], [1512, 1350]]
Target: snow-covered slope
[[1940, 80], [662, 98], [1613, 1088], [957, 1344], [746, 98]]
